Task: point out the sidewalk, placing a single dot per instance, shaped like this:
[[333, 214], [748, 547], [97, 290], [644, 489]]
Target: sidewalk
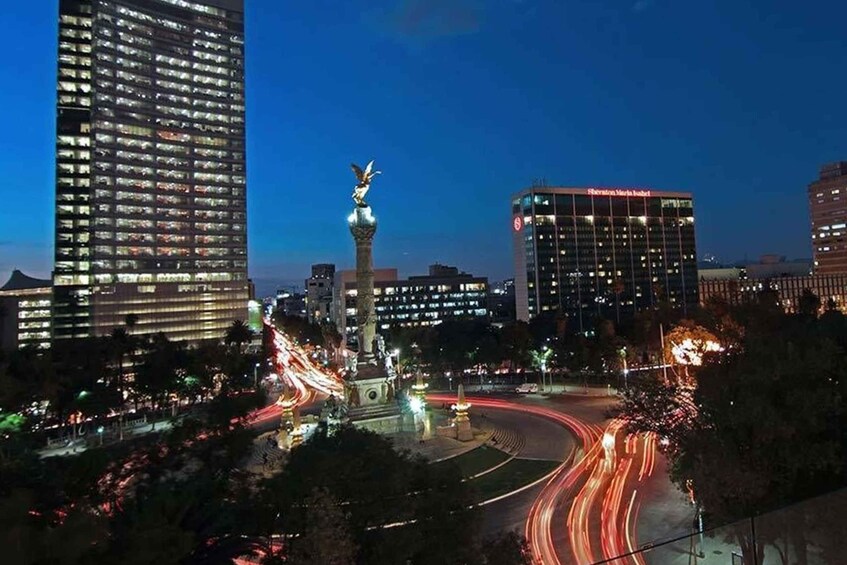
[[569, 388], [83, 443]]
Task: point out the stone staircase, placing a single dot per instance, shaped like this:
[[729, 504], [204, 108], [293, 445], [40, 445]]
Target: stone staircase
[[508, 440]]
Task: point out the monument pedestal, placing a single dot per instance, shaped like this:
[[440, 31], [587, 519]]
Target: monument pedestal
[[371, 402]]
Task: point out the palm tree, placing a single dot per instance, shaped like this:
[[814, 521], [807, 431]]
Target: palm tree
[[123, 344], [238, 333]]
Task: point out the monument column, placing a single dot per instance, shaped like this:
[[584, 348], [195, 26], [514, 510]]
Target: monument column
[[369, 387], [363, 228]]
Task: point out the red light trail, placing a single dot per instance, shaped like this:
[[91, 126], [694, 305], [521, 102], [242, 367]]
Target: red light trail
[[598, 481]]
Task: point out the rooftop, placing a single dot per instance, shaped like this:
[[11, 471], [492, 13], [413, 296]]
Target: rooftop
[[20, 281]]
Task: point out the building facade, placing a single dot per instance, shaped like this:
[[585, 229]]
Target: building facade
[[25, 312], [501, 302], [602, 252], [444, 294], [828, 211], [291, 302], [319, 293], [150, 167]]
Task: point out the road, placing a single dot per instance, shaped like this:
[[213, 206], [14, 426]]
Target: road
[[605, 501], [588, 511], [543, 439]]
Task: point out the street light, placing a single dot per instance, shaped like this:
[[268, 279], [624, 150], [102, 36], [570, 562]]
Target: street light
[[256, 376]]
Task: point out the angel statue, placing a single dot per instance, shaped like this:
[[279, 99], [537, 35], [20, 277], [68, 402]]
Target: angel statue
[[365, 178]]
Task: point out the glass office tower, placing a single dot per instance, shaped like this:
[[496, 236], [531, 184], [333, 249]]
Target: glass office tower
[[602, 252], [150, 167]]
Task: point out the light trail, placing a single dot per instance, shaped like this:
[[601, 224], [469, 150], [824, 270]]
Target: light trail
[[603, 479], [304, 378], [563, 478]]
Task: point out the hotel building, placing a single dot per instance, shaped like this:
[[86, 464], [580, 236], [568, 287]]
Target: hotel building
[[602, 252], [150, 167], [828, 211]]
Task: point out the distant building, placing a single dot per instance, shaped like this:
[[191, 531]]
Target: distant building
[[443, 294], [25, 312], [602, 252], [501, 302], [739, 290], [291, 302], [776, 266], [828, 211], [319, 293]]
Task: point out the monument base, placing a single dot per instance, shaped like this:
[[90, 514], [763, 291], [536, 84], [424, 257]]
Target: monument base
[[375, 407], [463, 431]]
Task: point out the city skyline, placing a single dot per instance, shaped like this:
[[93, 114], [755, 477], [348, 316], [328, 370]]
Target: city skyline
[[457, 154]]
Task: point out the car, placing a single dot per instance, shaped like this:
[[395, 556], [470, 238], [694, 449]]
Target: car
[[527, 388]]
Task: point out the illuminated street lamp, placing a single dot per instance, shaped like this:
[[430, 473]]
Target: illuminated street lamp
[[539, 359], [625, 368]]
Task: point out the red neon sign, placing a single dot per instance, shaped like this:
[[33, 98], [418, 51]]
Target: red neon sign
[[618, 192], [517, 223]]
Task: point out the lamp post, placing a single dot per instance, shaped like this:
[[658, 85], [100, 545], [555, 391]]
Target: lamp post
[[625, 368]]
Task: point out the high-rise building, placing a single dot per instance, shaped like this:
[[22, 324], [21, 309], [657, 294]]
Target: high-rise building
[[602, 252], [426, 300], [319, 293], [150, 167], [828, 210], [25, 308]]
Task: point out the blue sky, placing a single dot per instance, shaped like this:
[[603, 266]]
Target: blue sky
[[463, 102]]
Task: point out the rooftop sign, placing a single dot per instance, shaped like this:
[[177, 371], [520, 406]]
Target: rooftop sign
[[619, 192]]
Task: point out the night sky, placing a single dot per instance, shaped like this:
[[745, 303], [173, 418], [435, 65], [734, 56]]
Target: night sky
[[464, 102]]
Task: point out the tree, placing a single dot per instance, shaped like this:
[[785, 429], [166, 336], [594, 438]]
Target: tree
[[238, 334], [509, 548], [516, 341], [377, 485], [163, 362], [809, 304], [326, 538], [298, 328], [759, 427], [123, 345]]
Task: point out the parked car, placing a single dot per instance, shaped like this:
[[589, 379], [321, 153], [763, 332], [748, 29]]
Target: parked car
[[527, 388]]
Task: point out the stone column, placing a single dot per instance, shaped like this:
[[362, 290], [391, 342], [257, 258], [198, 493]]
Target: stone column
[[363, 228], [462, 421]]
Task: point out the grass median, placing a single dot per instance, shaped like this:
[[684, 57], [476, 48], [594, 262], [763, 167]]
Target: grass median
[[476, 460], [511, 476]]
